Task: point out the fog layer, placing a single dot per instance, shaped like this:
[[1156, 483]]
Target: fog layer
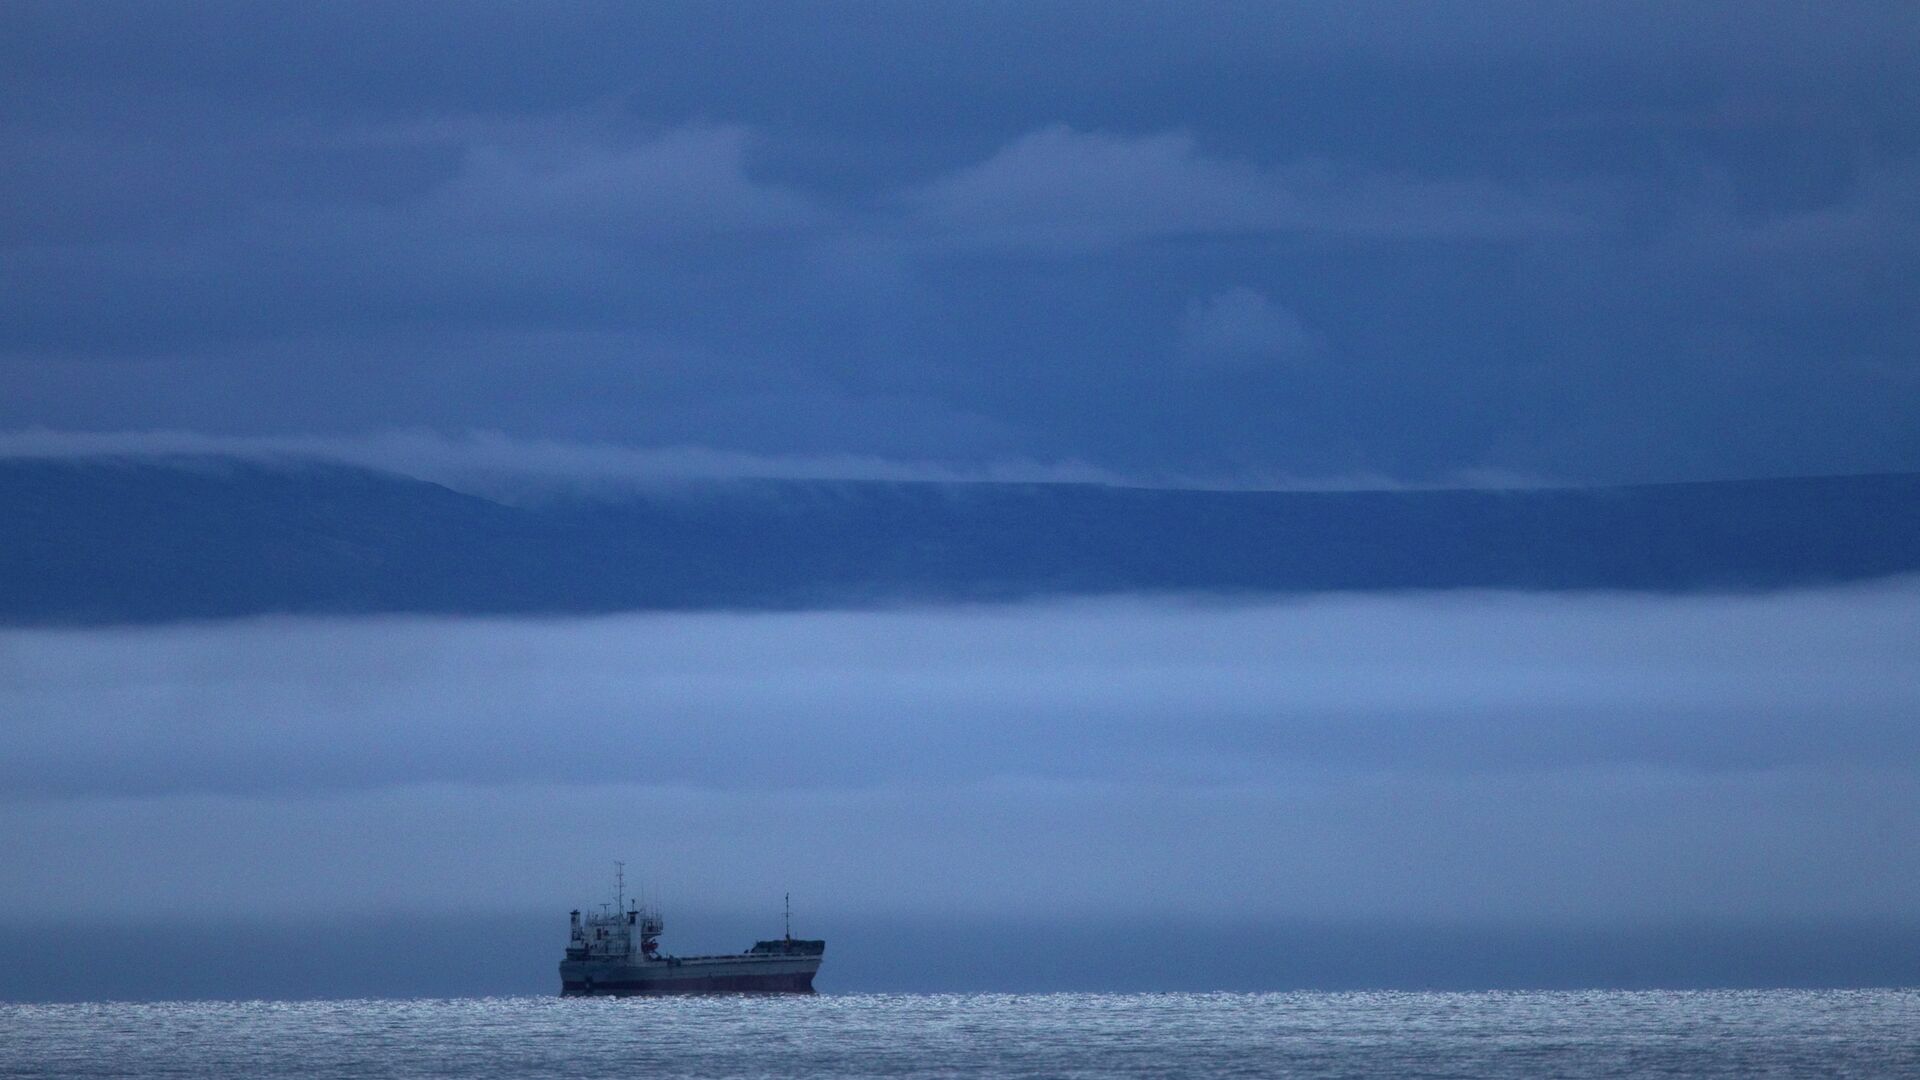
[[1466, 756]]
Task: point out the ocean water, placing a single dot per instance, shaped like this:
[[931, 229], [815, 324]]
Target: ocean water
[[1867, 1033]]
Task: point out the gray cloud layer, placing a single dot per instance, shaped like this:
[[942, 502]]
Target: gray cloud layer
[[1186, 694], [502, 466], [1443, 756], [1543, 239]]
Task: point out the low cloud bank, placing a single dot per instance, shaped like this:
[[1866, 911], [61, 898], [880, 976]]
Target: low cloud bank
[[1170, 691], [1459, 756], [498, 465], [492, 463]]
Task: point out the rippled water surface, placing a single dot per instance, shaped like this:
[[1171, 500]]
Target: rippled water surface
[[1773, 1033]]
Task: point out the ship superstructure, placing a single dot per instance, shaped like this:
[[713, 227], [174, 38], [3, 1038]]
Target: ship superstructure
[[616, 951]]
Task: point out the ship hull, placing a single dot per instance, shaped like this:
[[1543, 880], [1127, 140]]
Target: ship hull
[[731, 975]]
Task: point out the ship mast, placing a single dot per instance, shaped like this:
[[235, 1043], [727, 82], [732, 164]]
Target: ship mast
[[789, 921], [619, 885]]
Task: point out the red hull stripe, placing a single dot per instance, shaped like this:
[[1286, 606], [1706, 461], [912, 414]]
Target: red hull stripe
[[798, 983]]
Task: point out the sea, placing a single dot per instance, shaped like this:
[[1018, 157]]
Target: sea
[[1864, 1033]]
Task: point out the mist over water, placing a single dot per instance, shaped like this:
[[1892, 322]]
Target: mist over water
[[455, 953]]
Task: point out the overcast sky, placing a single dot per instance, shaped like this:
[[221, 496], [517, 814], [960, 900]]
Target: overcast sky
[[1364, 243], [1556, 240]]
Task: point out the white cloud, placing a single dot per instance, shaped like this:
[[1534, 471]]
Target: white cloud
[[1061, 190], [497, 465], [1242, 326], [688, 180]]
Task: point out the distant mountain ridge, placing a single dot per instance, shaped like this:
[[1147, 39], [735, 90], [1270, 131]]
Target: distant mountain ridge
[[90, 541]]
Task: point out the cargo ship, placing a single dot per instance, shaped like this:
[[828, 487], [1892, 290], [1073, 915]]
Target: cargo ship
[[616, 952]]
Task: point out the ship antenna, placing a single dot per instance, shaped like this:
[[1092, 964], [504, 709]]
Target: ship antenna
[[789, 916], [619, 885]]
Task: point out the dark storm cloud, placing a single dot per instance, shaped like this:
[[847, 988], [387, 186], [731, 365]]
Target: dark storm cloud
[[1622, 242]]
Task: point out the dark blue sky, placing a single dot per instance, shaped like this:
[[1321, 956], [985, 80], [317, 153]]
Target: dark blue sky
[[1420, 241]]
